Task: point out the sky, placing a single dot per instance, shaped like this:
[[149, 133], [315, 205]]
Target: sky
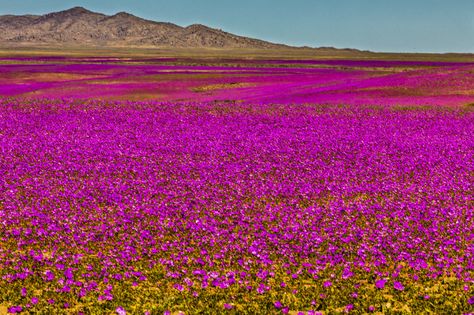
[[377, 25]]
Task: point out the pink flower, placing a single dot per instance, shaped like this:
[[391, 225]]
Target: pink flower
[[327, 284], [228, 306], [278, 304]]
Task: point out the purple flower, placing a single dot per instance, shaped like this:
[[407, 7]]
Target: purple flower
[[398, 286], [69, 274], [349, 307], [23, 292], [34, 300], [471, 300], [278, 304], [285, 310], [49, 275], [380, 284], [371, 308], [228, 306], [15, 309], [120, 311], [327, 284]]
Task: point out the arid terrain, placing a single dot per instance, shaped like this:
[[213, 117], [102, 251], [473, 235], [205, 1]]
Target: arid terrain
[[81, 27]]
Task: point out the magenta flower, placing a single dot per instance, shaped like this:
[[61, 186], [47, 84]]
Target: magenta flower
[[228, 306], [471, 300], [120, 311], [380, 284], [278, 304], [398, 286], [327, 284], [15, 309], [69, 274], [49, 275]]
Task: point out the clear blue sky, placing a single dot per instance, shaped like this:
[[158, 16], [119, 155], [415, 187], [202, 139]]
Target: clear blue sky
[[379, 25]]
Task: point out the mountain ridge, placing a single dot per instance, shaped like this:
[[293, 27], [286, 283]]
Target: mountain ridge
[[80, 26]]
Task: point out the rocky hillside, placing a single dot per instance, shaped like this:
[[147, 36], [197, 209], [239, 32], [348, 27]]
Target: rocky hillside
[[78, 26]]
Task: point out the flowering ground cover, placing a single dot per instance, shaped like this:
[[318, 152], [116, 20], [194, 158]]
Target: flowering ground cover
[[304, 190], [357, 82]]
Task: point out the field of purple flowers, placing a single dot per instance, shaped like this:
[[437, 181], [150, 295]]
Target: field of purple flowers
[[257, 207]]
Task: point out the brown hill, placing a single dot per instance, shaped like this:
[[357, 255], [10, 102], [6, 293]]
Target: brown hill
[[81, 27]]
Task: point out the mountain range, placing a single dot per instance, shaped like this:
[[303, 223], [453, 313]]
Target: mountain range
[[81, 27]]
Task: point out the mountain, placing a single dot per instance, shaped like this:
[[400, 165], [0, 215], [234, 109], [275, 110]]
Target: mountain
[[81, 27]]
